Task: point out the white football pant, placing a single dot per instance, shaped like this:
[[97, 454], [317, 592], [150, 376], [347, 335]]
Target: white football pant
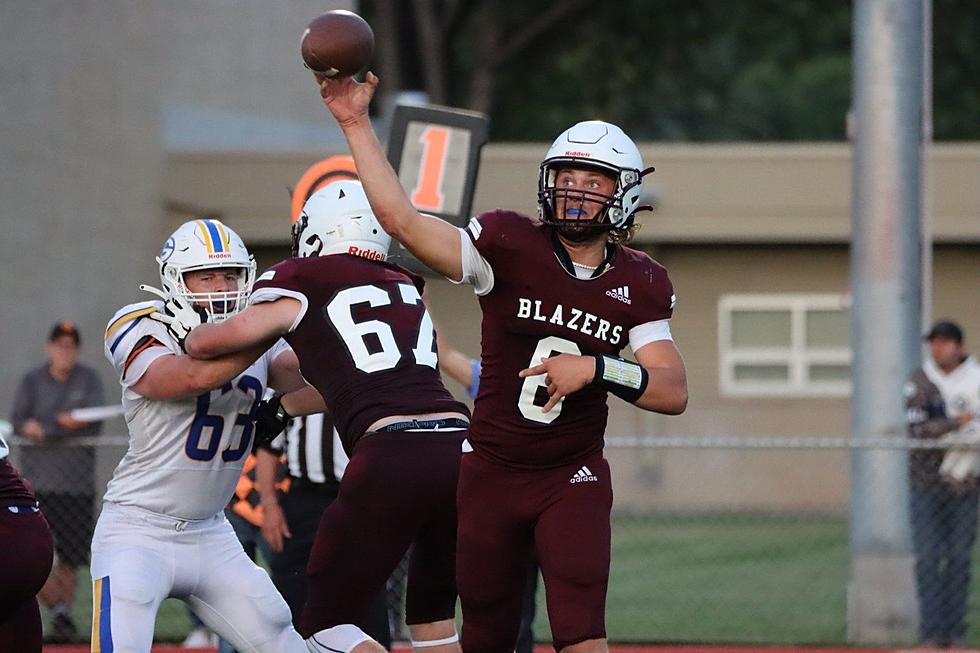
[[140, 558]]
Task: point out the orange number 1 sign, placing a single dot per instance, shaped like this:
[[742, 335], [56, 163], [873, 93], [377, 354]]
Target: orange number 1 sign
[[428, 193]]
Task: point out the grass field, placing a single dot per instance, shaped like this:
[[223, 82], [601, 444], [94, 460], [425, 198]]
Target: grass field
[[730, 578], [741, 579]]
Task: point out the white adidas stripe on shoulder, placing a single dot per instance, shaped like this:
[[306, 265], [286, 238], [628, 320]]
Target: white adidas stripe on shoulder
[[475, 228]]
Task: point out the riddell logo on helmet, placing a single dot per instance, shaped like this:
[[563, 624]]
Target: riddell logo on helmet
[[577, 153], [214, 255], [365, 253]]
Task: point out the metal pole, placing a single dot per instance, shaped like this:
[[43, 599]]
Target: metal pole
[[926, 167], [886, 261]]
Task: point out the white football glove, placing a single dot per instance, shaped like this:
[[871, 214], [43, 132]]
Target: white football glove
[[962, 464], [179, 316]]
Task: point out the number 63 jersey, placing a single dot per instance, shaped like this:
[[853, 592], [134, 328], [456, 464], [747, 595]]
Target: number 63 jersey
[[363, 337], [185, 456], [534, 309]]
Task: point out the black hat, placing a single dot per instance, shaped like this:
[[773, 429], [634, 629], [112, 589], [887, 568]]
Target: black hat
[[946, 329], [65, 328]]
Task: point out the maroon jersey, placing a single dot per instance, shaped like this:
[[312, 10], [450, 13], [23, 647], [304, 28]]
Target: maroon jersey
[[14, 488], [536, 309], [364, 338]]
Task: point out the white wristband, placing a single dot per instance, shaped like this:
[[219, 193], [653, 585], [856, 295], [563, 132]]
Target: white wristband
[[625, 373]]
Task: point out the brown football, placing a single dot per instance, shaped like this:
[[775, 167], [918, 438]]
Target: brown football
[[338, 43]]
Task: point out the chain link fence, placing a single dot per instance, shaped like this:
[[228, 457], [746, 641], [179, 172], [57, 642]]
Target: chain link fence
[[715, 540]]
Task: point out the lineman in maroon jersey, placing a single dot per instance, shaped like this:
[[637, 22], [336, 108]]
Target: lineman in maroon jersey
[[561, 297], [28, 552], [366, 346]]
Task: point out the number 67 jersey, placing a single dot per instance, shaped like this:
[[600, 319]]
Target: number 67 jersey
[[185, 456], [363, 337]]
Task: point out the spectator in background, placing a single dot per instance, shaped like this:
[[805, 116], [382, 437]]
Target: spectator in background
[[943, 397], [62, 474], [315, 463], [26, 559]]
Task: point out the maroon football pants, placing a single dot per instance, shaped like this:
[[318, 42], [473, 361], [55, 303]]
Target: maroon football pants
[[399, 489], [28, 551], [502, 512]]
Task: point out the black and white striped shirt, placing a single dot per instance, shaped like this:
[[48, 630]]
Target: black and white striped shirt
[[313, 450]]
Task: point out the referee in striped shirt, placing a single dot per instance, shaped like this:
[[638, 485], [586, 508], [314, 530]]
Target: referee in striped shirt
[[315, 463]]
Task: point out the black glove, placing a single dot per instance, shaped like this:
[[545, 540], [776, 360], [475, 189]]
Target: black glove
[[270, 420]]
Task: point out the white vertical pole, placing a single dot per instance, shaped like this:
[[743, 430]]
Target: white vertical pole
[[886, 281]]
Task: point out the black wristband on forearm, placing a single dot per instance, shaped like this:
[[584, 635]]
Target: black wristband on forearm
[[625, 379]]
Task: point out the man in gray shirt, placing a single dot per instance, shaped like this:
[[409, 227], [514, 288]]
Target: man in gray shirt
[[62, 474]]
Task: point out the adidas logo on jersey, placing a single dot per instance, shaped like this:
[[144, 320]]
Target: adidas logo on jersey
[[583, 475], [622, 294]]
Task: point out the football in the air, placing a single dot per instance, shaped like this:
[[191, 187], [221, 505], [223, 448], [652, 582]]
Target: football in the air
[[338, 43]]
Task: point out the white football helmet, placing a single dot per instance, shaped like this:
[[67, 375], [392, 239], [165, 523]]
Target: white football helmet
[[337, 219], [600, 145], [204, 245]]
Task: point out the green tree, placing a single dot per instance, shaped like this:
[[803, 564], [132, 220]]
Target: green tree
[[672, 70]]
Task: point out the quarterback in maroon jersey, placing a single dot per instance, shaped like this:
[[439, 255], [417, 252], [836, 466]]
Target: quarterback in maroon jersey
[[561, 297], [28, 552], [366, 346]]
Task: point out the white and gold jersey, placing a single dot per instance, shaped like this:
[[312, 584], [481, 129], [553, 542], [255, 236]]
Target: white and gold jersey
[[184, 456]]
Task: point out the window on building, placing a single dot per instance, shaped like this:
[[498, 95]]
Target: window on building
[[784, 345]]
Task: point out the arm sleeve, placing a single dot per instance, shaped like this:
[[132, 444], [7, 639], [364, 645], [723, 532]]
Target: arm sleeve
[[135, 367], [476, 269], [279, 347], [648, 332], [275, 283], [491, 246], [653, 308], [133, 344]]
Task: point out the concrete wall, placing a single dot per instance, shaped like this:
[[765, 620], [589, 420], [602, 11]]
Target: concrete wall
[[93, 92]]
